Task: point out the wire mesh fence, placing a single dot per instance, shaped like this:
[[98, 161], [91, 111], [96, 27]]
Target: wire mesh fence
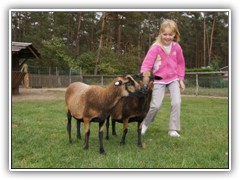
[[207, 83], [197, 83]]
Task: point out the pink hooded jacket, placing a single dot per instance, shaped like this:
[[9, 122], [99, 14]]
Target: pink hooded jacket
[[168, 66]]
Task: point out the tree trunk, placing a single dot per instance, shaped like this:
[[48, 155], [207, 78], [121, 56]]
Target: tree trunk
[[104, 18], [204, 40], [71, 29], [25, 25], [17, 25], [119, 39], [111, 37], [131, 44], [197, 47], [211, 41], [139, 49], [149, 40], [78, 33], [91, 35]]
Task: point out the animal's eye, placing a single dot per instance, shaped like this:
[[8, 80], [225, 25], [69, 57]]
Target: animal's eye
[[130, 83]]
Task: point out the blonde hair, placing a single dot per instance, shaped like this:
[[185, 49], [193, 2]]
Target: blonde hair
[[173, 26]]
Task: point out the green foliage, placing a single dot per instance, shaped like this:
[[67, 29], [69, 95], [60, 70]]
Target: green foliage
[[203, 69], [129, 64], [54, 34], [215, 64], [55, 53], [112, 63], [86, 61], [108, 61]]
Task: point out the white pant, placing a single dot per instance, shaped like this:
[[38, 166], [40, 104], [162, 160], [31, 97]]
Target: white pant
[[157, 98]]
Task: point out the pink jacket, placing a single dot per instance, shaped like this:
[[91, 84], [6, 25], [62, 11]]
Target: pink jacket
[[169, 66]]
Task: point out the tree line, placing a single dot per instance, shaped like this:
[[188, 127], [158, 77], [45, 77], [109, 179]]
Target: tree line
[[116, 42]]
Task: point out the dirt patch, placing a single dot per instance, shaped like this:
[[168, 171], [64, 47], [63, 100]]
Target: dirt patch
[[39, 94], [57, 93]]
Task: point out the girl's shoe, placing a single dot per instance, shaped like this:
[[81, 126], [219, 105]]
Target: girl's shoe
[[173, 134], [144, 129]]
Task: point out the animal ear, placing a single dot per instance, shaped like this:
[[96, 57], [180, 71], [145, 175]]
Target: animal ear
[[118, 83], [137, 76], [130, 80]]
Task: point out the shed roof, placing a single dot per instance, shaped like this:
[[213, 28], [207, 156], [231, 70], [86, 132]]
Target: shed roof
[[24, 50], [225, 68]]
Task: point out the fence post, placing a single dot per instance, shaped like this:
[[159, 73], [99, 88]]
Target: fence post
[[102, 80], [39, 82], [197, 85], [58, 78], [49, 77], [81, 75]]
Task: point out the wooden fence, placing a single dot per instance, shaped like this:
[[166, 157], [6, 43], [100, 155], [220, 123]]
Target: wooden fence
[[197, 83]]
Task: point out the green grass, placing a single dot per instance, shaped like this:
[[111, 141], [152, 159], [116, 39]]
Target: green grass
[[40, 140]]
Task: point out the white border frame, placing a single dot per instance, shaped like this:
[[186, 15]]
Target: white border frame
[[117, 10]]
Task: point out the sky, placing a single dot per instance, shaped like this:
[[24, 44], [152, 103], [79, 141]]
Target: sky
[[123, 4]]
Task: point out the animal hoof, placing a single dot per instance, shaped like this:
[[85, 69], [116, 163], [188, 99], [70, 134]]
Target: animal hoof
[[140, 145], [102, 152], [122, 143], [85, 147]]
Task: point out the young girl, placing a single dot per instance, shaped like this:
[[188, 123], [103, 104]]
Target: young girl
[[165, 59]]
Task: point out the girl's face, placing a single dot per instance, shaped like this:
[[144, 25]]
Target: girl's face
[[167, 36]]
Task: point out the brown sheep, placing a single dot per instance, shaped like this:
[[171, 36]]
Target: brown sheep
[[91, 103], [134, 108]]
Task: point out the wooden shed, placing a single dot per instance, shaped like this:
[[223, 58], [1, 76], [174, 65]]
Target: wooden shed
[[21, 52]]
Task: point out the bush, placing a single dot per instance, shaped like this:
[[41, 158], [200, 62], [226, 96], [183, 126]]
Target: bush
[[203, 69], [87, 62]]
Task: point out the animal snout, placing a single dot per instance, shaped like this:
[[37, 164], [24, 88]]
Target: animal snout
[[145, 86], [144, 89]]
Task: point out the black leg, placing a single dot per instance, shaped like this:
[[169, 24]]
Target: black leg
[[114, 128], [124, 136], [78, 129], [86, 145], [69, 127], [101, 148], [139, 134], [107, 128]]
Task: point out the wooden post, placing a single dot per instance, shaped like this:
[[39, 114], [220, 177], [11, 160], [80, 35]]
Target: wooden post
[[58, 78], [49, 77], [38, 80], [26, 76], [197, 85], [101, 80], [81, 75]]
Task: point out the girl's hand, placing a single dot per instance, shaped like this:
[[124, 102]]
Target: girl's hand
[[182, 85]]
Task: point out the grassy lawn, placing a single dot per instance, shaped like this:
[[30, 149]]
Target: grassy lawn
[[40, 140]]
